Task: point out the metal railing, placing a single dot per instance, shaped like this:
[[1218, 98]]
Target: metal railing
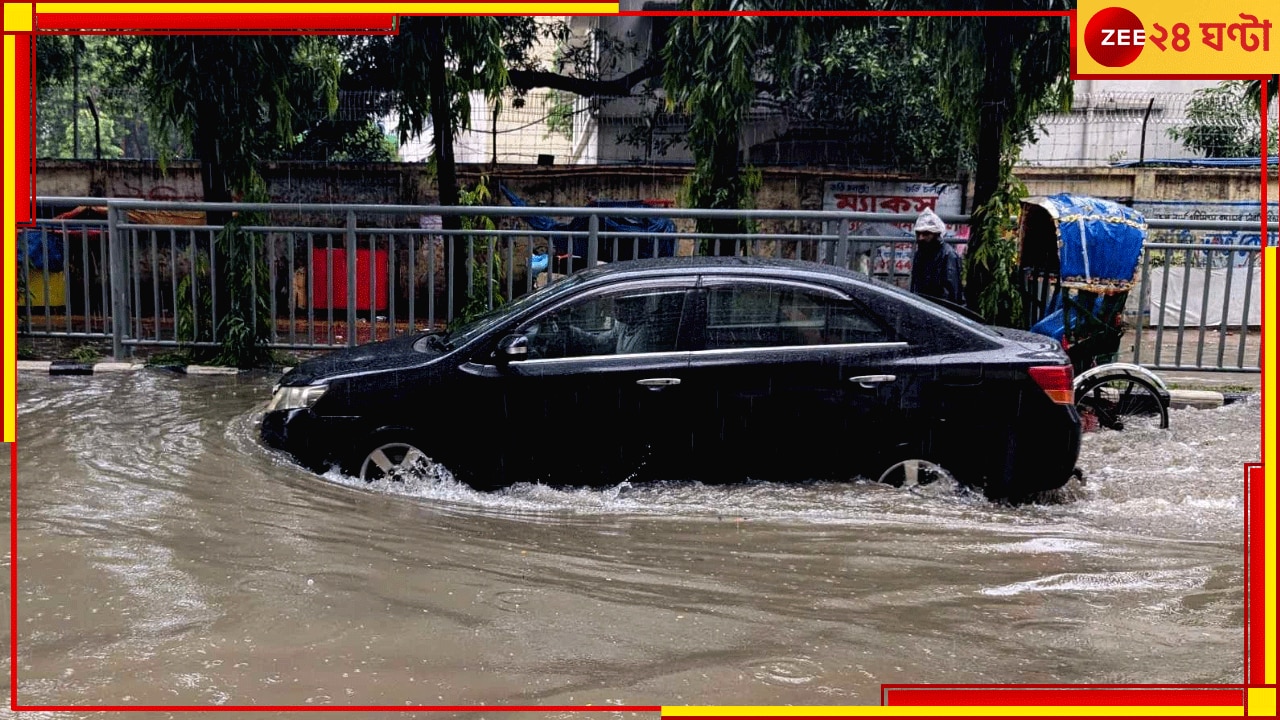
[[145, 273]]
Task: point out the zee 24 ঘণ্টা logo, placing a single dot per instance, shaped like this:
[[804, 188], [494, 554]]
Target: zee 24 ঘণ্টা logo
[[1115, 37]]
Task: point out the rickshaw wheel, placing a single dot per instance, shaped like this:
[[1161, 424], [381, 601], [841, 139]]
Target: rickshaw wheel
[[1119, 403]]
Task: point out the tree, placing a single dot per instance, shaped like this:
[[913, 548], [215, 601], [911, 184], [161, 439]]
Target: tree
[[437, 62], [1224, 121], [709, 74], [232, 98], [589, 67], [81, 110], [55, 58], [999, 74], [862, 87], [995, 75], [353, 133], [110, 72], [1255, 90]]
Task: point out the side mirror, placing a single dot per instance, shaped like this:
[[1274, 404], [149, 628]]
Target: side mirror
[[512, 348]]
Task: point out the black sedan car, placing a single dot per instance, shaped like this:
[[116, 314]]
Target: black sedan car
[[713, 369]]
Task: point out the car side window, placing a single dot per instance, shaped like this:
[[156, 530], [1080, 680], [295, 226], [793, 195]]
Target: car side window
[[640, 320], [763, 315]]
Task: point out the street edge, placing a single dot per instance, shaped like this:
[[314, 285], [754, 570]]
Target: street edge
[[71, 367]]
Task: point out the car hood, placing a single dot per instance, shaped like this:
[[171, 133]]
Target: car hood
[[373, 357]]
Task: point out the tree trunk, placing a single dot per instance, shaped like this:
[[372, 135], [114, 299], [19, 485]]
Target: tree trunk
[[724, 169], [446, 166], [213, 177], [213, 186], [993, 114], [586, 87]]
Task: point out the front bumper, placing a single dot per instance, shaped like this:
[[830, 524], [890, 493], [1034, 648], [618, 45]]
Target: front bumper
[[314, 441]]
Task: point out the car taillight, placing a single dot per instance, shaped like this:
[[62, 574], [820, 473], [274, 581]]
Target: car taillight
[[1055, 380]]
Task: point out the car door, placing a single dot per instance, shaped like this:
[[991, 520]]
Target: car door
[[599, 396], [794, 380], [889, 369]]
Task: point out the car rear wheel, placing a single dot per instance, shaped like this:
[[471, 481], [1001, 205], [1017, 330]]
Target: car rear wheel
[[395, 460], [1121, 402]]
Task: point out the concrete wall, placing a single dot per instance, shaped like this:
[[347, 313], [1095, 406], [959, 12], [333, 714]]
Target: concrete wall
[[1150, 183], [784, 188]]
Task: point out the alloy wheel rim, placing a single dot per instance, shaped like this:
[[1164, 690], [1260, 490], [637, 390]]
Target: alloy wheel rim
[[395, 461]]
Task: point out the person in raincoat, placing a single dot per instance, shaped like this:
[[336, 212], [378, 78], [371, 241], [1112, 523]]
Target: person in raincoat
[[935, 269]]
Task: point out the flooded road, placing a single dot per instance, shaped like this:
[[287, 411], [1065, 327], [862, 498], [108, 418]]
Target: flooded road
[[166, 558]]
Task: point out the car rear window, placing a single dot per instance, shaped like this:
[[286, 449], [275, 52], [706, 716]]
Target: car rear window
[[953, 312]]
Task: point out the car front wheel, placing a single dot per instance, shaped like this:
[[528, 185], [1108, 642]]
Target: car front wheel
[[396, 460]]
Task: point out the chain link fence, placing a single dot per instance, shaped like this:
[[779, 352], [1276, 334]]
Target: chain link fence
[[1119, 128], [551, 127]]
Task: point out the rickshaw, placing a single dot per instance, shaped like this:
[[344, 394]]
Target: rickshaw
[[1078, 258]]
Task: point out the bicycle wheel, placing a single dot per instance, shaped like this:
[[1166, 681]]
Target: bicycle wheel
[[1117, 402]]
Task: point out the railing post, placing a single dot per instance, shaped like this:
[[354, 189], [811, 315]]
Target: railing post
[[1144, 304], [351, 278], [593, 239], [119, 284], [842, 246]]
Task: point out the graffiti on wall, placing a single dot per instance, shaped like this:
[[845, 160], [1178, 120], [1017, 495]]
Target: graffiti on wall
[[878, 254], [1230, 210]]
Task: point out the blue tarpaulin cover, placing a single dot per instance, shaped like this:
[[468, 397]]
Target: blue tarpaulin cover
[[36, 247], [1246, 162], [627, 247], [1054, 324], [1099, 241]]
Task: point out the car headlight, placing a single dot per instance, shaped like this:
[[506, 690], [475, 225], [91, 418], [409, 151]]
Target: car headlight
[[293, 398]]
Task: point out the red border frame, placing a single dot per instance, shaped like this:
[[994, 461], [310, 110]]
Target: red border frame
[[923, 695], [25, 152], [1255, 575]]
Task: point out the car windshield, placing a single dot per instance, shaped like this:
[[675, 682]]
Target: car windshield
[[483, 322]]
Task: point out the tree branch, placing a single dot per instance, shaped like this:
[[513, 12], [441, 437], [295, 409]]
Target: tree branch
[[617, 87]]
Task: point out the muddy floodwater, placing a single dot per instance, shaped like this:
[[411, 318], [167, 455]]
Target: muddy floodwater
[[166, 558]]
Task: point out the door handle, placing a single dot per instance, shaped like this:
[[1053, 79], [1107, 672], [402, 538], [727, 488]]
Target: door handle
[[867, 381], [658, 383]]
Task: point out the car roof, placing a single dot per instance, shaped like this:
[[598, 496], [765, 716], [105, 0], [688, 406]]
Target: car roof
[[765, 267]]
